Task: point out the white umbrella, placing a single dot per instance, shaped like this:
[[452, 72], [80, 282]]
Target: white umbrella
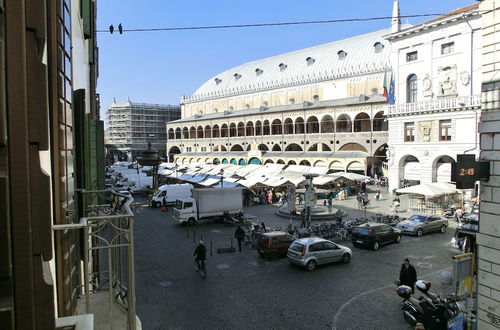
[[429, 189]]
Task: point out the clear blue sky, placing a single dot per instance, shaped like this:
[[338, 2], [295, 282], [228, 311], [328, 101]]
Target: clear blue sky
[[159, 67]]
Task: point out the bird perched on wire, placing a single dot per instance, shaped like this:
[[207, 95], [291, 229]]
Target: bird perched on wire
[[111, 28], [120, 28]]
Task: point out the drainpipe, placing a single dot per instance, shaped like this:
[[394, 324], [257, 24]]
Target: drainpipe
[[471, 80]]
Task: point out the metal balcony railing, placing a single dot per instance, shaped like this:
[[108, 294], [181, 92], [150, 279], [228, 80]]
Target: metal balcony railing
[[435, 104], [108, 245]]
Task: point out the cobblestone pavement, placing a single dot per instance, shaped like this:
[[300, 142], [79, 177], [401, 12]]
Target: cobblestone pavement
[[244, 291]]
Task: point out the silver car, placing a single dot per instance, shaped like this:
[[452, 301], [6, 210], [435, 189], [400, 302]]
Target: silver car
[[420, 224], [312, 251]]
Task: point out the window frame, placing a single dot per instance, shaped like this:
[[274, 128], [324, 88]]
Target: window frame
[[409, 127], [409, 56], [411, 88], [448, 48], [447, 127]]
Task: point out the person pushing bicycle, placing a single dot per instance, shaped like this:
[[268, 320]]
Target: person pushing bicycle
[[200, 254]]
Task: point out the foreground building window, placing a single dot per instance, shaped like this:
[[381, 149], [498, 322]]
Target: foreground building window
[[445, 130], [409, 132], [411, 88], [447, 48], [411, 56]]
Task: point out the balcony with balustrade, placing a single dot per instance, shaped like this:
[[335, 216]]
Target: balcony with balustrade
[[435, 105]]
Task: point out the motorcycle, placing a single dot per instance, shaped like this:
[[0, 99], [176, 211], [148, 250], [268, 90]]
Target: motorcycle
[[430, 309]]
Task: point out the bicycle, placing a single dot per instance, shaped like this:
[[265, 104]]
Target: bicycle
[[203, 269]]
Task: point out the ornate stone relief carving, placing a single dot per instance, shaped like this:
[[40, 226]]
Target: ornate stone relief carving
[[465, 78], [425, 131], [427, 85], [447, 80]]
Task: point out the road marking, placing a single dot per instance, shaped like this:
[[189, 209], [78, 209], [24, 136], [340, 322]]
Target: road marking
[[166, 284], [223, 266], [215, 231], [347, 303]]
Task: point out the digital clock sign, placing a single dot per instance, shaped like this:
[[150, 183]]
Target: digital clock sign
[[466, 171]]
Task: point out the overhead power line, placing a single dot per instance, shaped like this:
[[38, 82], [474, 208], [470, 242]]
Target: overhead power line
[[212, 27]]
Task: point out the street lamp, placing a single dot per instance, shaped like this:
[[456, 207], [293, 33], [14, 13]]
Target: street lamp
[[309, 199], [150, 158]]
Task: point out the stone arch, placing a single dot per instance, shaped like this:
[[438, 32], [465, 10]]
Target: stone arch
[[215, 131], [355, 167], [173, 151], [232, 129], [237, 147], [276, 127], [171, 134], [216, 161], [293, 147], [199, 132], [225, 161], [263, 147], [327, 124], [291, 162], [255, 161], [250, 129], [343, 123], [312, 125], [178, 133], [241, 129], [266, 128], [379, 122], [280, 161], [233, 161], [336, 166], [258, 128], [185, 133], [288, 126], [224, 131], [269, 161], [362, 122], [408, 169], [192, 132], [242, 161], [319, 163], [305, 163], [276, 147], [208, 132], [441, 168], [219, 148], [299, 125], [352, 147]]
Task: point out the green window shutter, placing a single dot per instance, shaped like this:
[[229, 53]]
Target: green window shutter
[[100, 154], [87, 15]]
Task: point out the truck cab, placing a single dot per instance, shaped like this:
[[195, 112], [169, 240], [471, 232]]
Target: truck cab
[[185, 210]]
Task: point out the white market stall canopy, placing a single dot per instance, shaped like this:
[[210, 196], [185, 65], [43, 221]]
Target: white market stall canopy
[[272, 175], [429, 189]]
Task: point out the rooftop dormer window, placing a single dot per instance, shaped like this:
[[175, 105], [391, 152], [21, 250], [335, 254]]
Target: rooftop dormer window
[[258, 72], [378, 47], [237, 76], [341, 54], [310, 60], [282, 66], [218, 81]]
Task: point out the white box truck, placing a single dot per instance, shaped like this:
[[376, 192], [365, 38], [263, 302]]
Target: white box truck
[[172, 192], [207, 203]]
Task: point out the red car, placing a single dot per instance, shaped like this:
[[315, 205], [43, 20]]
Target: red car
[[274, 244]]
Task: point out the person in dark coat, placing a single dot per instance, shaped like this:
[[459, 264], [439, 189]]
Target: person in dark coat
[[239, 235], [164, 204], [408, 275], [200, 253]]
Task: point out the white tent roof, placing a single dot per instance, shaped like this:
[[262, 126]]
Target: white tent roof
[[349, 176], [322, 179], [210, 181], [429, 189]]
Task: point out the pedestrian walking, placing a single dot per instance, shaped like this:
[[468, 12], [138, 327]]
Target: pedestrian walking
[[359, 198], [303, 215], [408, 275], [164, 204], [239, 235], [377, 194]]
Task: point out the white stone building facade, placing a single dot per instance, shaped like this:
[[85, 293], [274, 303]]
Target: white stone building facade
[[437, 74]]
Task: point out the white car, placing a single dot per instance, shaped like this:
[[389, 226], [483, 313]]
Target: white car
[[312, 251]]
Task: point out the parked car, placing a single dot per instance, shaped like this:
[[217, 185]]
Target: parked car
[[373, 235], [312, 251], [274, 244], [420, 224]]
